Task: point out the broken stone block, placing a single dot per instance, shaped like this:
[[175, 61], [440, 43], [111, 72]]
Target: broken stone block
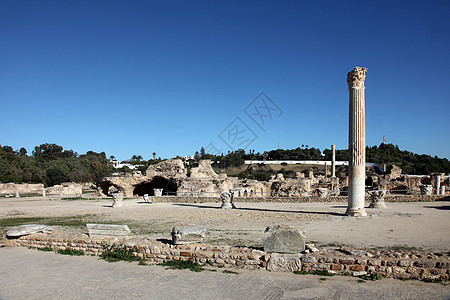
[[284, 239], [158, 192], [21, 230], [227, 200], [187, 234], [118, 198], [284, 262], [107, 230]]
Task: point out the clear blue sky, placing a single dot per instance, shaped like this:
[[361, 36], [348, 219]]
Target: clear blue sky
[[137, 77]]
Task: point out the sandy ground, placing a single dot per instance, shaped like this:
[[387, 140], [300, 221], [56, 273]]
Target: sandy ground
[[420, 224], [31, 274]]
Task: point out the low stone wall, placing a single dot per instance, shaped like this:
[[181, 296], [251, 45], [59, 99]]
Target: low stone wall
[[23, 188], [387, 263], [308, 199]]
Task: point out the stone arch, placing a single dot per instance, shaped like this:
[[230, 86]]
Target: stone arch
[[245, 193], [105, 185], [251, 193], [169, 186]]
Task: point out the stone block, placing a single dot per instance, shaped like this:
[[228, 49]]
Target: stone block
[[21, 230], [187, 234], [309, 259], [284, 239], [336, 267], [107, 230], [284, 262], [357, 268]]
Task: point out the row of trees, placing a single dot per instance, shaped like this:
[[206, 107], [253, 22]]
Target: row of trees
[[411, 163], [50, 164]]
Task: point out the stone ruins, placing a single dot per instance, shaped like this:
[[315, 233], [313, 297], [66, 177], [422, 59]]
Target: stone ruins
[[172, 178]]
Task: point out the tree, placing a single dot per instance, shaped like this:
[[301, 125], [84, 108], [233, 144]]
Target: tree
[[202, 152], [22, 152], [154, 155]]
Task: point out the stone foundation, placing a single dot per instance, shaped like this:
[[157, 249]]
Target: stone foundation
[[387, 263]]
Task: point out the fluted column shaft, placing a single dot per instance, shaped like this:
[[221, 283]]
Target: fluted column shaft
[[333, 161], [356, 142]]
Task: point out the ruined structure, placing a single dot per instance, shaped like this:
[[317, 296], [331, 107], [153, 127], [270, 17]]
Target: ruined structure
[[174, 178]]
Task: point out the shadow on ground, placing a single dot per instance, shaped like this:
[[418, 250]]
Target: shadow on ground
[[265, 209]]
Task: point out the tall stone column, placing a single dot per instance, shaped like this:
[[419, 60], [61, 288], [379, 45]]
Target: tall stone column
[[333, 161], [356, 143], [437, 183]]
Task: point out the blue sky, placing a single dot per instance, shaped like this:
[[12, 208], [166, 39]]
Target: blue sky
[[137, 77]]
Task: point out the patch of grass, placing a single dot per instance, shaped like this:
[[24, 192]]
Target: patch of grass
[[404, 248], [45, 249], [116, 253], [73, 221], [405, 278], [229, 272], [178, 264], [142, 263], [436, 279], [371, 276], [71, 252], [316, 272], [323, 279], [333, 245], [220, 266]]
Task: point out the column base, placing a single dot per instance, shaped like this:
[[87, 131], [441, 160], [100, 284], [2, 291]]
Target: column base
[[356, 212]]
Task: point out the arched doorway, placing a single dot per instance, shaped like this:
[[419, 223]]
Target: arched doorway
[[169, 187]]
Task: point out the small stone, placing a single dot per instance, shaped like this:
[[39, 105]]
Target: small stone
[[359, 273]]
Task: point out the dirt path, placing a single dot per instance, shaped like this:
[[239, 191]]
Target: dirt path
[[31, 274]]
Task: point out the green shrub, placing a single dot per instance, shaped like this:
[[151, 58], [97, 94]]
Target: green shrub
[[71, 252], [45, 249], [178, 264], [116, 253], [371, 276]]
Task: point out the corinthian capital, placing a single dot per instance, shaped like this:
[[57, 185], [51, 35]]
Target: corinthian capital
[[356, 77]]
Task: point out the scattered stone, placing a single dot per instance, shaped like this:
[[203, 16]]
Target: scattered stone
[[158, 192], [284, 262], [322, 192], [21, 230], [377, 198], [118, 198], [147, 199], [359, 273], [227, 200], [284, 239], [426, 189], [107, 230], [187, 234]]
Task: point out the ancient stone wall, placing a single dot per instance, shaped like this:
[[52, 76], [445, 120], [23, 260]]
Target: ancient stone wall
[[387, 263], [24, 188], [307, 199]]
